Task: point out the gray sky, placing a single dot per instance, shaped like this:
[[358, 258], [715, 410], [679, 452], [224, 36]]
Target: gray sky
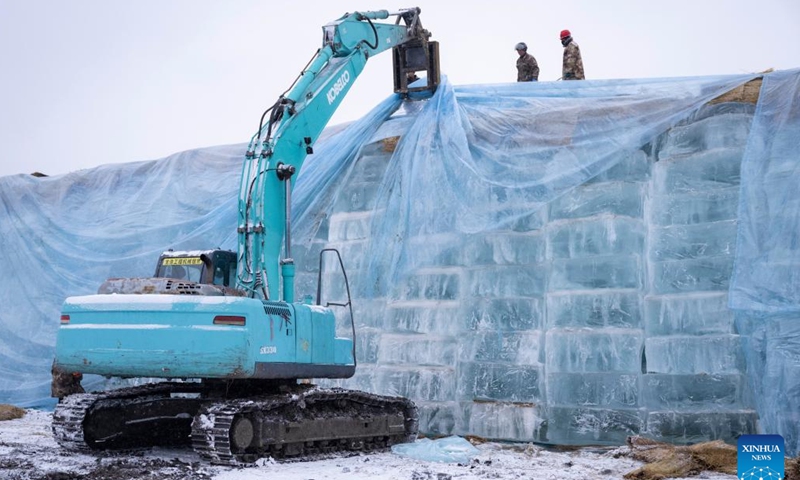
[[89, 82]]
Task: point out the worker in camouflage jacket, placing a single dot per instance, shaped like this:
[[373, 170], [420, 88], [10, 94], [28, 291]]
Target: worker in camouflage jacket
[[572, 68], [527, 68]]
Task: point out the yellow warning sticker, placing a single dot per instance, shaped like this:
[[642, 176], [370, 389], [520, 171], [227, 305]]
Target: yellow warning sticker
[[182, 261]]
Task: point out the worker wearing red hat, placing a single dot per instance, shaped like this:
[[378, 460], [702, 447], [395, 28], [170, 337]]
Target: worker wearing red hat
[[572, 68]]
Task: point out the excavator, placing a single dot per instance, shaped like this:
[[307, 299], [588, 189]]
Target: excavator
[[231, 347]]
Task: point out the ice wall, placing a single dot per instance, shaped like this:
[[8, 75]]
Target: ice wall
[[601, 314], [546, 262]]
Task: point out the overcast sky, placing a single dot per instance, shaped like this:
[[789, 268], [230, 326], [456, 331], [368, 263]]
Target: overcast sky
[[88, 82]]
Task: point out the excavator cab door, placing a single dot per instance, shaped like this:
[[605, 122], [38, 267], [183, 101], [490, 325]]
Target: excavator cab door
[[222, 268]]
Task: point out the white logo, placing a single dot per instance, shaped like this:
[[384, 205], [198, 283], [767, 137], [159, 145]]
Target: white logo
[[337, 87]]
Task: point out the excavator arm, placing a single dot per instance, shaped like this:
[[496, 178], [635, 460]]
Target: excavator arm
[[279, 147]]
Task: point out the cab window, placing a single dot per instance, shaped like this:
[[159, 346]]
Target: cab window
[[181, 268], [220, 275]]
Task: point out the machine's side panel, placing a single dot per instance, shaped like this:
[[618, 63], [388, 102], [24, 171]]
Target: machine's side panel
[[324, 328]]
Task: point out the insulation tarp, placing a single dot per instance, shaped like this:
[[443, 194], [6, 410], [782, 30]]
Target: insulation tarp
[[491, 175]]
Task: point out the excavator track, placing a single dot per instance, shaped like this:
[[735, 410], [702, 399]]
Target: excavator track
[[304, 425], [68, 418], [300, 423], [126, 418]]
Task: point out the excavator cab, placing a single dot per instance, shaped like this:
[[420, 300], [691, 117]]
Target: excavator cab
[[191, 272], [210, 267]]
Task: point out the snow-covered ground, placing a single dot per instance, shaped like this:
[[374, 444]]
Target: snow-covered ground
[[29, 452]]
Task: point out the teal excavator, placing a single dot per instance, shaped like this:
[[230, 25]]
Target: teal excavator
[[222, 330]]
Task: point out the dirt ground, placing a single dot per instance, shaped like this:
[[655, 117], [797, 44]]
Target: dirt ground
[[28, 451], [126, 468]]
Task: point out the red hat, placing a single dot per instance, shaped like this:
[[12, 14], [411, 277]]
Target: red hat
[[565, 33]]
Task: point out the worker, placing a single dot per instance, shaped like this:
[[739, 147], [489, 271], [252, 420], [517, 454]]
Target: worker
[[527, 68], [572, 68]]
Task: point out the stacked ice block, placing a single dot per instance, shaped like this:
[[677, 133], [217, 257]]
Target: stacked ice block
[[596, 249], [694, 386]]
